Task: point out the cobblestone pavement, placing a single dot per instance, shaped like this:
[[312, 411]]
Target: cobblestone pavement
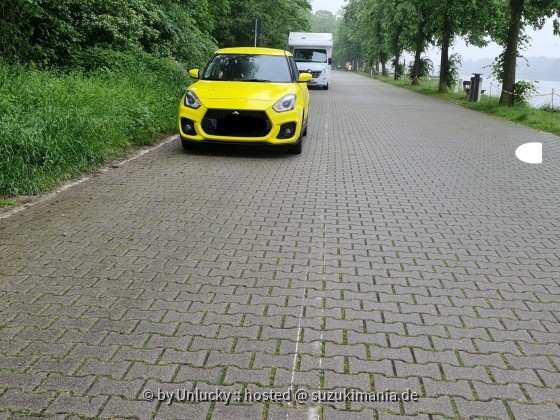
[[406, 249]]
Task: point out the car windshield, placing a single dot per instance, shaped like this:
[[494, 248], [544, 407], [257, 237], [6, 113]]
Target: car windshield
[[310, 55], [248, 68]]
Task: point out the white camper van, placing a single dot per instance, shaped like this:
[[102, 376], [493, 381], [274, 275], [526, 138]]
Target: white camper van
[[313, 54]]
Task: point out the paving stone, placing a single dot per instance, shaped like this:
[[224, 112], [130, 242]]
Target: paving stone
[[524, 376], [541, 395], [494, 409], [439, 405], [234, 412], [66, 366], [119, 407], [128, 389], [77, 385], [285, 378], [25, 382], [530, 411], [277, 412], [449, 388], [33, 403], [83, 406], [115, 370], [163, 373], [359, 381], [182, 411]]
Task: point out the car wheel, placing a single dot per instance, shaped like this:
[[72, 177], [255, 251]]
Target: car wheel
[[326, 87], [295, 149], [304, 133], [187, 144]]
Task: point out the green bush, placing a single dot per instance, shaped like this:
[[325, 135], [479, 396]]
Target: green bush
[[426, 68], [56, 125]]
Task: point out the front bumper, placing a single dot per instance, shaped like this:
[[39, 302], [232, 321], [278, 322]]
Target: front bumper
[[220, 126], [319, 81]]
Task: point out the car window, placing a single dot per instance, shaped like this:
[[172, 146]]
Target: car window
[[294, 69], [310, 55], [248, 67]]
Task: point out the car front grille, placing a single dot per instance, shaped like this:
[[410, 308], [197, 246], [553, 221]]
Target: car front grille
[[315, 74], [234, 123]]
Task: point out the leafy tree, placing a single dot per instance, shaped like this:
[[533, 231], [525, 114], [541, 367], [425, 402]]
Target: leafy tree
[[349, 38], [422, 37], [278, 18], [323, 21], [399, 21], [520, 13], [451, 18]]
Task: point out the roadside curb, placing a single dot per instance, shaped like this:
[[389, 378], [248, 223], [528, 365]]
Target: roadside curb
[[97, 172]]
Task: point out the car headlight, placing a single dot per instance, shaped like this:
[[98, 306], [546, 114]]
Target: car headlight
[[287, 103], [191, 100]]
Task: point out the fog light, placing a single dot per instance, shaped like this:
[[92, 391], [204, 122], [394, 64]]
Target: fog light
[[287, 130], [188, 126]]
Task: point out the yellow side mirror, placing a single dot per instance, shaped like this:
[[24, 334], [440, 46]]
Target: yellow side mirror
[[304, 77], [194, 73]]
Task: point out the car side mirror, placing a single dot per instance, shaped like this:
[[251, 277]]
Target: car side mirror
[[194, 74], [330, 61], [304, 77]]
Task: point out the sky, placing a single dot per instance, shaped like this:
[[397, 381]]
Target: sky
[[543, 44]]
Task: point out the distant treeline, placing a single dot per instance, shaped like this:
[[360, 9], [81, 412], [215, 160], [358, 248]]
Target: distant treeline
[[376, 32]]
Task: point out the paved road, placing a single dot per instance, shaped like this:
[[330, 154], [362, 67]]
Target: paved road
[[405, 249]]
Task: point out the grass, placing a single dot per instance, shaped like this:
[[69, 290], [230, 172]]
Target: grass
[[54, 126], [544, 118], [7, 202]]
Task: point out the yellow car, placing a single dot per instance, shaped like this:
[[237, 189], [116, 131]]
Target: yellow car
[[246, 95]]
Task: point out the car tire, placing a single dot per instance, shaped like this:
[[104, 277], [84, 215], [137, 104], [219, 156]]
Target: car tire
[[295, 149], [187, 144], [326, 87]]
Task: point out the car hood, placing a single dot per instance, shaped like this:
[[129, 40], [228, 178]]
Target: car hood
[[250, 95]]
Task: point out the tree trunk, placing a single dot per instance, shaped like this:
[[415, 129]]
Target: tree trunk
[[510, 54], [397, 53], [396, 65], [444, 63], [383, 59], [419, 50]]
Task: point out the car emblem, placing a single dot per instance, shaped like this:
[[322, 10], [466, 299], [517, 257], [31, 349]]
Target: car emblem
[[235, 113], [309, 71]]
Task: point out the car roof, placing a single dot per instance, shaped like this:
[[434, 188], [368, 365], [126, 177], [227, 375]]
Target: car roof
[[252, 50]]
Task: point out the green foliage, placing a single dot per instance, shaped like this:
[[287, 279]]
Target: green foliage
[[324, 21], [399, 70], [56, 125], [454, 66], [426, 68], [7, 202], [523, 90], [548, 107]]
